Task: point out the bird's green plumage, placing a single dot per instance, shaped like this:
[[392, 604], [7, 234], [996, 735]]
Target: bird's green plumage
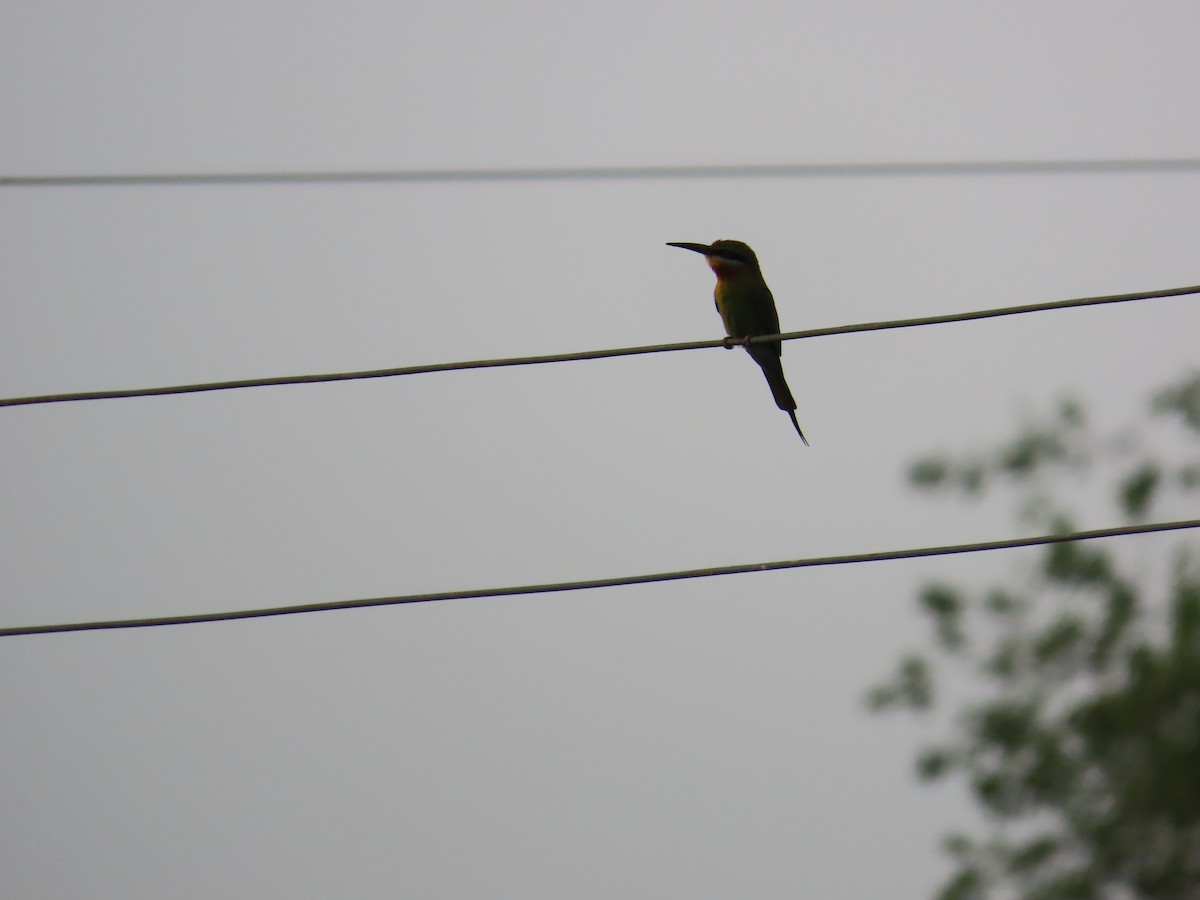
[[747, 309]]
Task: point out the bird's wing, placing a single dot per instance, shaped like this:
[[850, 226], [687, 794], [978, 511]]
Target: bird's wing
[[767, 316]]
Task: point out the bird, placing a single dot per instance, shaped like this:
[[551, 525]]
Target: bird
[[747, 309]]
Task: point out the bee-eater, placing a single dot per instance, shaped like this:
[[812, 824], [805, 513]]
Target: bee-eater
[[748, 309]]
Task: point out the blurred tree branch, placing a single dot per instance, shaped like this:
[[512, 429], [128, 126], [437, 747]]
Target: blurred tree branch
[[1084, 751]]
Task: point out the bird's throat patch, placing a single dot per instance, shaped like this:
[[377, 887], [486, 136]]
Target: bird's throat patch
[[724, 268]]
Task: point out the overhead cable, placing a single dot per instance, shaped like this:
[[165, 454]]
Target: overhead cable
[[593, 354], [620, 581], [934, 168]]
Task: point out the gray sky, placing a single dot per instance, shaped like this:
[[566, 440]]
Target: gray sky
[[693, 740]]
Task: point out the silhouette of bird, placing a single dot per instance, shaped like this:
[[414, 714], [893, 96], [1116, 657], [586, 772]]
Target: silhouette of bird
[[748, 309]]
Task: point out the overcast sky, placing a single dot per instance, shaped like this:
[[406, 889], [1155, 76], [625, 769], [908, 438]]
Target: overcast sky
[[703, 739]]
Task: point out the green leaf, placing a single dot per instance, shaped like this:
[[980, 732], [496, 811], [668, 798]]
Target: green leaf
[[945, 605], [1078, 885], [1136, 492], [1003, 604], [1057, 640], [935, 762], [1119, 614], [1051, 774], [967, 884], [972, 477], [958, 845], [1070, 413], [1185, 616], [910, 688], [882, 698], [1074, 563], [1004, 661], [1005, 726], [929, 473], [994, 794], [1030, 451], [1032, 854], [1183, 399], [915, 682]]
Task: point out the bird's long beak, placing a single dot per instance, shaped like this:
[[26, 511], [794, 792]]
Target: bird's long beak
[[703, 249]]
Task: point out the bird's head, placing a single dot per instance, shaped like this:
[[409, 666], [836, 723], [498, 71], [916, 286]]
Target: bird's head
[[728, 259]]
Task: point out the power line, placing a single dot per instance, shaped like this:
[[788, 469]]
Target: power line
[[629, 173], [621, 581], [595, 354]]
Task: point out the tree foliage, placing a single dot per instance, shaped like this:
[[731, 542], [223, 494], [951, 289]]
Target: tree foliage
[[1083, 746]]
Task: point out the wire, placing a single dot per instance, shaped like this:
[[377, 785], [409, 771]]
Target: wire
[[621, 581], [595, 354], [627, 173]]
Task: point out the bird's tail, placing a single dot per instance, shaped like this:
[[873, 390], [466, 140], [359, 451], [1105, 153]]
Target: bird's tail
[[773, 368], [792, 413]]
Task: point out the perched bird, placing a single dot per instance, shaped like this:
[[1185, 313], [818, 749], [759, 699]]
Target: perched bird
[[748, 309]]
